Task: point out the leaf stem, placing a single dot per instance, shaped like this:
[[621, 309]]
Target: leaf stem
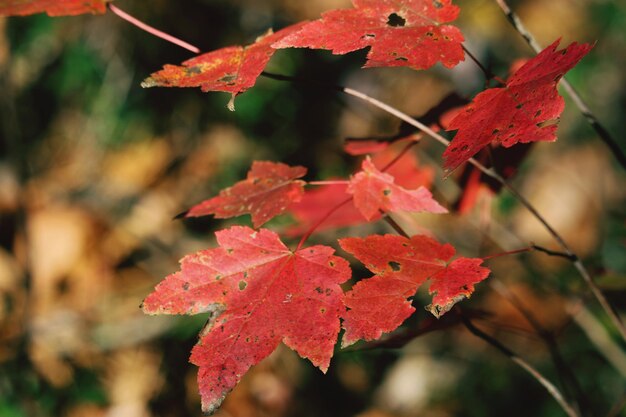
[[604, 134], [512, 252], [549, 386], [320, 221], [394, 225], [153, 31], [488, 74]]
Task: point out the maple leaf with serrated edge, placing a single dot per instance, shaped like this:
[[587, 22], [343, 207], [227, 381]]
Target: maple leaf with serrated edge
[[523, 111], [259, 293], [380, 304], [316, 203], [268, 190], [52, 7], [233, 69], [374, 190], [401, 33]]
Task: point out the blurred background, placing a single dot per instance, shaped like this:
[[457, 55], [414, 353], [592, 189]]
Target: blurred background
[[93, 168]]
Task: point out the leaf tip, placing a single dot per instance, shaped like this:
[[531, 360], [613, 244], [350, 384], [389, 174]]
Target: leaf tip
[[181, 215], [149, 82]]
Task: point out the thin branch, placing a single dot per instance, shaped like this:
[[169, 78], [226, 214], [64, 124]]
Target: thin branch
[[549, 386], [511, 252], [153, 31], [569, 257], [488, 74], [604, 135], [491, 173], [394, 225], [565, 373]]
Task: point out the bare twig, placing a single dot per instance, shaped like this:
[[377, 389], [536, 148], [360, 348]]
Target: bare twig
[[572, 258], [567, 377], [549, 386], [604, 135], [153, 31]]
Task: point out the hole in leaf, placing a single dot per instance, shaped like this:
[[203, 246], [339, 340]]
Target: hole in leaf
[[186, 286], [437, 4], [519, 106], [368, 36], [401, 58], [242, 285], [395, 20], [386, 191], [495, 131], [394, 266]]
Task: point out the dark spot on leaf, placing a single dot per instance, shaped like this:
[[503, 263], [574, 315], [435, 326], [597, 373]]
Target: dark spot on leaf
[[394, 266], [538, 113], [401, 58], [186, 286], [519, 106], [242, 285], [218, 277], [229, 250], [395, 20], [331, 263], [193, 70], [437, 4], [229, 78], [368, 36], [464, 148], [495, 131], [322, 310], [386, 191], [319, 290]]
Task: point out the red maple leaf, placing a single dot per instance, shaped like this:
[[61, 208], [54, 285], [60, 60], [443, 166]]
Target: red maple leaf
[[317, 202], [374, 190], [259, 293], [233, 69], [52, 7], [523, 111], [400, 33], [380, 304], [267, 191]]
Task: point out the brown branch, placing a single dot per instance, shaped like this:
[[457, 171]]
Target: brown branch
[[549, 386], [565, 373]]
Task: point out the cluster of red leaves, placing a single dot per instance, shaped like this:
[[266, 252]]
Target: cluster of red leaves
[[257, 291], [51, 7]]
